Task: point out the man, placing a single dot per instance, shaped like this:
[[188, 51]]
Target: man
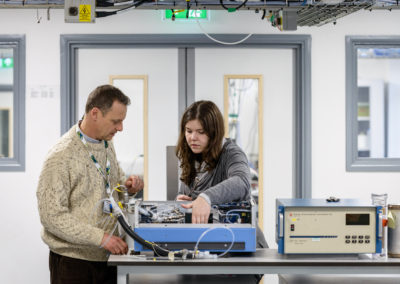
[[78, 175]]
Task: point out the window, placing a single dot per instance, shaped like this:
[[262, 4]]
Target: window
[[12, 103], [373, 100]]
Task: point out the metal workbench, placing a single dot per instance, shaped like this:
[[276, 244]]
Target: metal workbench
[[263, 261]]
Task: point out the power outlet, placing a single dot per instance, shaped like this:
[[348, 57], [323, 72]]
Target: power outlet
[[79, 11]]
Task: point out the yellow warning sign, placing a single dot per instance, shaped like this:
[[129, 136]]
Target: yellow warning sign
[[85, 13]]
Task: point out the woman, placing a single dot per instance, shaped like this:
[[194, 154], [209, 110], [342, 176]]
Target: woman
[[214, 170]]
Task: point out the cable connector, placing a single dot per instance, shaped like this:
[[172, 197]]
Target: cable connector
[[171, 255], [116, 209], [206, 255]]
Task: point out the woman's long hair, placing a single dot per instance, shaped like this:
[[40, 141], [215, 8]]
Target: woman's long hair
[[210, 118]]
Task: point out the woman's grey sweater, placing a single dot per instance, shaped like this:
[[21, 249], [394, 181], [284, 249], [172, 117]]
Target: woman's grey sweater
[[229, 181]]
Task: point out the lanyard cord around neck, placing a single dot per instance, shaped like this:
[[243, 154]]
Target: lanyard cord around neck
[[105, 175]]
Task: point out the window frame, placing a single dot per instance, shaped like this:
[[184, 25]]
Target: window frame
[[17, 162], [354, 163]]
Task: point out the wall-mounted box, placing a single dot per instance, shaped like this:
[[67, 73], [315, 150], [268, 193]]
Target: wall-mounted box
[[79, 11]]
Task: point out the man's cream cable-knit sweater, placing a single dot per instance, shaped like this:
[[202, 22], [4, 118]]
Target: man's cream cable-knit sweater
[[69, 197]]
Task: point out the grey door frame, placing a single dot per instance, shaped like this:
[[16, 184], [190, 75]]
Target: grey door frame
[[186, 43]]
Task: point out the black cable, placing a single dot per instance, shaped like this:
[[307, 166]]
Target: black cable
[[263, 15], [106, 14], [187, 9], [173, 15], [234, 8], [135, 4], [100, 3], [154, 247], [158, 250]]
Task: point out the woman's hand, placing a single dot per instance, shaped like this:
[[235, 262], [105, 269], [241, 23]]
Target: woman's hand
[[200, 210], [182, 197]]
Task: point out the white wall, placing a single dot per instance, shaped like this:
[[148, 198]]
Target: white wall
[[24, 256]]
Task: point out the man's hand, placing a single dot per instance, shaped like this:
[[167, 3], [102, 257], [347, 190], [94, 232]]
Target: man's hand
[[134, 184], [114, 244], [200, 210]]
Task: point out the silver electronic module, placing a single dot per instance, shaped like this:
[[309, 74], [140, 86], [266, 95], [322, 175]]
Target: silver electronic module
[[231, 226]]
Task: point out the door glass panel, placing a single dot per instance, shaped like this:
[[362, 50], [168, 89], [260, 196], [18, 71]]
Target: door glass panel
[[6, 102], [129, 147], [137, 71], [241, 114]]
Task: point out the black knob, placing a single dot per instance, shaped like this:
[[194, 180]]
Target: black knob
[[73, 11]]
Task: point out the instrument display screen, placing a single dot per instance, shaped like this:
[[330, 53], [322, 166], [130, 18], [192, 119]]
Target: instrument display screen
[[357, 219]]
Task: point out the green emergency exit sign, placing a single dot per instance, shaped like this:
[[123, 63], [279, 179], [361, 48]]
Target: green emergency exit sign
[[181, 14], [6, 62]]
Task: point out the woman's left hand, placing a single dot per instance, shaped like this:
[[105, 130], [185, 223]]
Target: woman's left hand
[[134, 184], [200, 210]]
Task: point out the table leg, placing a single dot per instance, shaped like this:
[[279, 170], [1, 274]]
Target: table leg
[[122, 275]]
